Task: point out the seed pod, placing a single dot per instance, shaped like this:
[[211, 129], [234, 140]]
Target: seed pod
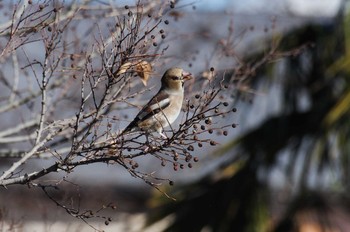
[[144, 69]]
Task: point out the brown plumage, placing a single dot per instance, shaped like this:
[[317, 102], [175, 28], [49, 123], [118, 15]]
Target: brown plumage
[[163, 109]]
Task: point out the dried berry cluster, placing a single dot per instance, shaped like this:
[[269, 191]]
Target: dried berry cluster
[[202, 122]]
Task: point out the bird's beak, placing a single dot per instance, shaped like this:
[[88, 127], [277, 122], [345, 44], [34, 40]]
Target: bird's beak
[[186, 75]]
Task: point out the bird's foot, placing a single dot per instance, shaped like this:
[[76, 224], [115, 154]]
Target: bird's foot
[[163, 135]]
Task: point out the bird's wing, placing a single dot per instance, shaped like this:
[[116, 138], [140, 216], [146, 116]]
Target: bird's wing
[[158, 103]]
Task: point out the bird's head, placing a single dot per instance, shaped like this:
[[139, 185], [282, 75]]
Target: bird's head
[[174, 78]]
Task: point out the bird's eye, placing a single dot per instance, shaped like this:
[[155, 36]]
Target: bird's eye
[[175, 78]]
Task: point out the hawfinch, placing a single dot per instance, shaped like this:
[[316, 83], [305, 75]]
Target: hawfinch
[[163, 109]]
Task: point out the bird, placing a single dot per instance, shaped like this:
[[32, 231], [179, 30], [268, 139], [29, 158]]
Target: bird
[[164, 107]]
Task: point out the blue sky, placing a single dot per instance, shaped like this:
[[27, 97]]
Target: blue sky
[[307, 8]]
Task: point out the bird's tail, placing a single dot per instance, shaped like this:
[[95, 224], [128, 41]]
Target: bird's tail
[[128, 129]]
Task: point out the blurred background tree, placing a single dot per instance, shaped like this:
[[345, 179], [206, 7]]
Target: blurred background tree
[[291, 171]]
